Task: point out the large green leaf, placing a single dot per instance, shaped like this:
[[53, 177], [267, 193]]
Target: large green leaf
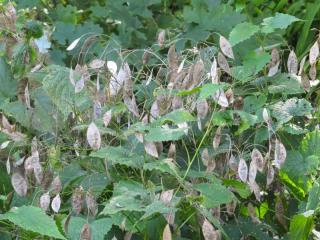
[[280, 21], [241, 32], [285, 84], [8, 84], [314, 197], [293, 107], [33, 219], [164, 134], [119, 155], [214, 194], [300, 227], [99, 228]]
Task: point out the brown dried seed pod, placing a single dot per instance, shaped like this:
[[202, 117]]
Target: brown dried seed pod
[[223, 63], [226, 47], [77, 200], [258, 158]]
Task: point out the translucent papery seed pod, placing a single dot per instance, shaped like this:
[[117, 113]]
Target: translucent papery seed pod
[[292, 63], [56, 185], [161, 38], [202, 109], [38, 173], [172, 151], [217, 138], [45, 201], [209, 232], [223, 63], [77, 200], [258, 158], [226, 47], [20, 184], [86, 232], [91, 203]]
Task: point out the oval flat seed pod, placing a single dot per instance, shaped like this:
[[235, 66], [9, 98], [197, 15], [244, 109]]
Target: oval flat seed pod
[[73, 44], [258, 158], [208, 231], [302, 65], [85, 232], [292, 63], [243, 170], [273, 70], [223, 63], [280, 212], [226, 47], [252, 171], [217, 139], [91, 203], [280, 154], [181, 66], [161, 38], [270, 175], [79, 85], [220, 97], [254, 187], [202, 109], [97, 63], [93, 136], [166, 196], [77, 200], [45, 201], [305, 82], [313, 72], [8, 166], [314, 53], [214, 72], [172, 151], [56, 185], [232, 163], [205, 157], [107, 118], [20, 184], [56, 202], [265, 116], [151, 149], [166, 235]]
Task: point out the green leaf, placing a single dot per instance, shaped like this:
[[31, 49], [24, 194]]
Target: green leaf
[[164, 134], [256, 61], [208, 89], [310, 144], [241, 188], [314, 197], [163, 166], [300, 227], [214, 194], [119, 155], [280, 21], [285, 84], [8, 84], [99, 228], [33, 219], [176, 116], [157, 207], [293, 107], [242, 32]]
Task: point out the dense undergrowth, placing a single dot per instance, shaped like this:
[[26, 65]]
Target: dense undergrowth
[[159, 120]]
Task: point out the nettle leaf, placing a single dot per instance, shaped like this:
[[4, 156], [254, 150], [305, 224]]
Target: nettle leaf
[[279, 21], [285, 84], [164, 166], [214, 194], [33, 219], [120, 155], [314, 197], [242, 32], [127, 196], [7, 82], [310, 144], [293, 107], [176, 116], [162, 134], [99, 228], [157, 207], [256, 61], [57, 85], [208, 89]]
